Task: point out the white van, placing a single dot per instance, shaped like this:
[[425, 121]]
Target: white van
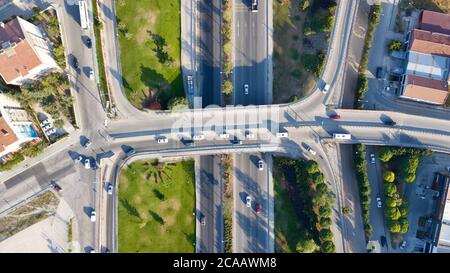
[[342, 136], [282, 134]]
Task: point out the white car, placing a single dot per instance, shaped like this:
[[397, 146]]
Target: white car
[[93, 216], [87, 143], [309, 149], [246, 89], [163, 140], [224, 136], [403, 245], [46, 127], [79, 158], [326, 88], [448, 169], [249, 135], [45, 122], [282, 134], [91, 74], [51, 131], [379, 202], [372, 158], [110, 189], [260, 165], [87, 163], [198, 137], [248, 201]]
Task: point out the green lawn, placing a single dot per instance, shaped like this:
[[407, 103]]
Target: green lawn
[[288, 229], [149, 38], [157, 217]]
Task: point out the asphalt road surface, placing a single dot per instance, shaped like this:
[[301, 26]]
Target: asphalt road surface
[[210, 200]]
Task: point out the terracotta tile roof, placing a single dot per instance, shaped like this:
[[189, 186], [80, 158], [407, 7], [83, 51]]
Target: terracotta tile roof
[[18, 59], [430, 42], [435, 22], [426, 89], [7, 136]]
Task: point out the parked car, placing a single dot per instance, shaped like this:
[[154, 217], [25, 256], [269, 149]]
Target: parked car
[[448, 169], [335, 116], [87, 163], [260, 165], [88, 42], [310, 150], [46, 127], [372, 158], [248, 201], [202, 219], [187, 142], [190, 84], [380, 72], [79, 158], [91, 74], [258, 208], [87, 143], [383, 240], [110, 189], [75, 62], [403, 244], [51, 131], [224, 136], [93, 216], [45, 122], [246, 89], [379, 204], [326, 88]]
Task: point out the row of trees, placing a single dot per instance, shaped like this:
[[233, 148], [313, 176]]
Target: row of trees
[[396, 209], [409, 160], [227, 175], [227, 57], [362, 85], [315, 22], [318, 201], [359, 159]]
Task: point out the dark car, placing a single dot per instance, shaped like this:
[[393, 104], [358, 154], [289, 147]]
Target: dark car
[[380, 72], [187, 142], [236, 141], [88, 42], [389, 122], [203, 219], [383, 241], [75, 62], [56, 186]]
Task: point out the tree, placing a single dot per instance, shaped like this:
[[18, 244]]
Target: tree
[[306, 246], [177, 103], [227, 87], [392, 213], [404, 225], [318, 177], [390, 202], [395, 45], [321, 189], [312, 167], [304, 5], [390, 189], [394, 226], [389, 176], [328, 247], [325, 235], [410, 177], [404, 211], [346, 210], [325, 211], [325, 222], [385, 154]]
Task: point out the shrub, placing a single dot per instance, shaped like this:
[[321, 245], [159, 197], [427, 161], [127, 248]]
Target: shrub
[[177, 103], [390, 189], [395, 45], [385, 154], [328, 247], [325, 222], [227, 87], [325, 235], [389, 176], [306, 246]]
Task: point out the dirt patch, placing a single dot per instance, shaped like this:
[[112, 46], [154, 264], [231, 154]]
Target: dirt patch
[[150, 17], [35, 211], [169, 220], [291, 80], [172, 204], [137, 199]]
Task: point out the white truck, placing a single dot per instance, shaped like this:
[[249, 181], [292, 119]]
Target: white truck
[[342, 136], [84, 18]]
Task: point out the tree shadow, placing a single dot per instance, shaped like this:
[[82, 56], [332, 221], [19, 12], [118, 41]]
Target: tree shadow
[[131, 210], [159, 195], [156, 217]]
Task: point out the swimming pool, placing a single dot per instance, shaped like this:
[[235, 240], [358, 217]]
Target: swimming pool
[[25, 131]]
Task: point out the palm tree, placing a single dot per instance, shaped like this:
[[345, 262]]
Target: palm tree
[[158, 171]]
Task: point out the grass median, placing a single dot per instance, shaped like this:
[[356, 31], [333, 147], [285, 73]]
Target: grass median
[[156, 205], [150, 51]]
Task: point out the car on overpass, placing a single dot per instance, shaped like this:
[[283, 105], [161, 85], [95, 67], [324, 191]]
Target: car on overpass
[[282, 134], [334, 116], [224, 136], [198, 137], [326, 88], [236, 141], [311, 150], [163, 139]]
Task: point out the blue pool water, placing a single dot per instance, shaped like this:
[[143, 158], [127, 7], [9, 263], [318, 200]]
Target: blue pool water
[[25, 131]]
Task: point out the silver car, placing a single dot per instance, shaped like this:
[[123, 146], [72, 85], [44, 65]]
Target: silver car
[[248, 201], [246, 89]]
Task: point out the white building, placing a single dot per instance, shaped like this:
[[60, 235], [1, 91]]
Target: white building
[[16, 127], [24, 52]]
